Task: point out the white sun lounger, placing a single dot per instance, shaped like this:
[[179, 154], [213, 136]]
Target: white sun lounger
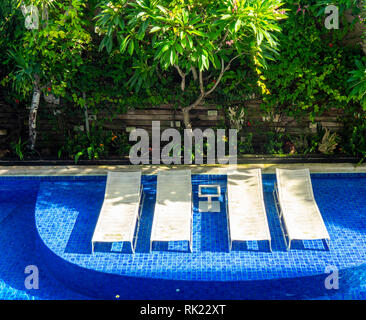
[[247, 219], [173, 207], [295, 203], [120, 210]]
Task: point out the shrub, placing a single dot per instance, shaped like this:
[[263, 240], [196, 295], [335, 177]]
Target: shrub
[[310, 76]]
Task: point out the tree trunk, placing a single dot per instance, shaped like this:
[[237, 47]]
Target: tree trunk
[[33, 116], [87, 128], [187, 118]]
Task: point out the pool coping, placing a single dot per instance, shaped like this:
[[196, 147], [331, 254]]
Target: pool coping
[[241, 159], [75, 170]]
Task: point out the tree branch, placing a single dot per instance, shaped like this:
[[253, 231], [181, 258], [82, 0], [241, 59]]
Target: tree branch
[[183, 76], [202, 90], [194, 72], [201, 83], [223, 70], [222, 41]]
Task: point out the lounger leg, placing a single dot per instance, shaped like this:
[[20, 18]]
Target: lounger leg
[[279, 214], [284, 239], [327, 242], [150, 246], [132, 248], [92, 247], [270, 245], [227, 223], [289, 245]]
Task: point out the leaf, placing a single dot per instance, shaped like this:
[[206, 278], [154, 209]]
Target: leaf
[[190, 41], [185, 16], [253, 27], [359, 64], [165, 48], [173, 56], [179, 48], [162, 9], [155, 29], [124, 43], [90, 151], [142, 30], [77, 156], [226, 17], [102, 44], [200, 64], [320, 12], [184, 41], [109, 44], [237, 25], [131, 47], [198, 33], [205, 62], [259, 37]]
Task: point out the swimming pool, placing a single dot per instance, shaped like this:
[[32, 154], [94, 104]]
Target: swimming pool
[[49, 221]]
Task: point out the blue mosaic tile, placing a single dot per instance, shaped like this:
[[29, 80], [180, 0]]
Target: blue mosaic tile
[[17, 245], [65, 210]]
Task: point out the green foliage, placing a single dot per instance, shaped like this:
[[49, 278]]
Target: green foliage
[[98, 144], [354, 137], [343, 5], [186, 34], [358, 83], [310, 75], [19, 148], [120, 144], [245, 145], [146, 44], [92, 146], [11, 30], [357, 142], [300, 143], [274, 143], [53, 53]]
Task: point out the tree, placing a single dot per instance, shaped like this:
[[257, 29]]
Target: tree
[[197, 38], [49, 53]]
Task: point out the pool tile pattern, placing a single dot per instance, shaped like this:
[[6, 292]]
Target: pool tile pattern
[[17, 245], [66, 210]]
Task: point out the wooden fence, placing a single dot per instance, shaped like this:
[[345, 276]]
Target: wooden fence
[[52, 125]]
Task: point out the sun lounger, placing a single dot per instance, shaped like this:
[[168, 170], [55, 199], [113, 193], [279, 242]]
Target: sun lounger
[[173, 207], [298, 212], [121, 209], [247, 219]]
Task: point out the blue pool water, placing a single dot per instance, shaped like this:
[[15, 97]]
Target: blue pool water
[[49, 221]]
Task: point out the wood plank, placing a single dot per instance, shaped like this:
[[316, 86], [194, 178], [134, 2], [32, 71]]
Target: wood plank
[[166, 117]]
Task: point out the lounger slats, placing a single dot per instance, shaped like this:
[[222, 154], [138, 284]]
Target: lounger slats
[[301, 215], [168, 228], [120, 210], [246, 211], [173, 207]]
